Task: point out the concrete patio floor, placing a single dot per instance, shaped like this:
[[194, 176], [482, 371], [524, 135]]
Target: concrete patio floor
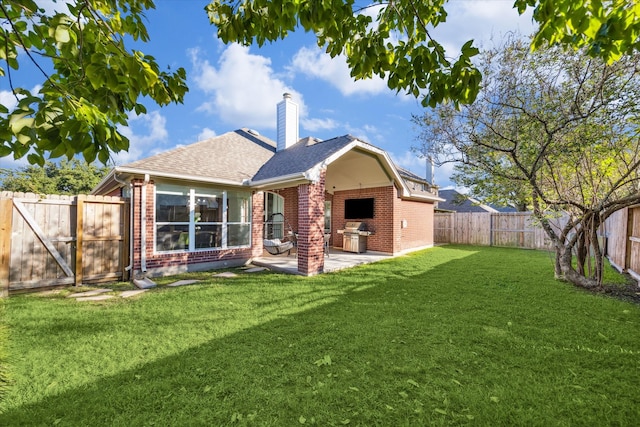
[[337, 260]]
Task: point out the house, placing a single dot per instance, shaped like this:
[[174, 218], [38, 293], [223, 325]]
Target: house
[[205, 205], [458, 202]]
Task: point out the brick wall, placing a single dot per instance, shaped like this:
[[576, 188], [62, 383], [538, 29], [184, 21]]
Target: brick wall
[[257, 223], [381, 225], [389, 211], [183, 261], [419, 224], [311, 227]]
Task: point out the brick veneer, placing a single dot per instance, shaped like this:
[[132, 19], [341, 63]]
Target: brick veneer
[[311, 227], [382, 223], [304, 210], [168, 263], [386, 225], [257, 223], [419, 224]]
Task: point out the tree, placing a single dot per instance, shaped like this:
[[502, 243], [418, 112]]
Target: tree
[[68, 177], [94, 84], [553, 129], [415, 62], [97, 82], [605, 30]]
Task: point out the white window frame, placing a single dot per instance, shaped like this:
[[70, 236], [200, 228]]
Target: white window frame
[[192, 193]]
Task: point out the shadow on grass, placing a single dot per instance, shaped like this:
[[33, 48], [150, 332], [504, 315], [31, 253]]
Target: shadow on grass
[[403, 342]]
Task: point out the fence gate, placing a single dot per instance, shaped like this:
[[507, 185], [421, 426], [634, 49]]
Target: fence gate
[[50, 241]]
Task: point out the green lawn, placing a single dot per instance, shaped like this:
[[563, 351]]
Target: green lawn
[[455, 335]]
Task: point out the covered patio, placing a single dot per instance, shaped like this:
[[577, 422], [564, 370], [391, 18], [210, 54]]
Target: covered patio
[[337, 260]]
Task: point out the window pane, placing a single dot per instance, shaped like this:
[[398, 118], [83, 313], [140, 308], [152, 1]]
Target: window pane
[[172, 237], [208, 208], [172, 208], [239, 206], [238, 234], [208, 236]]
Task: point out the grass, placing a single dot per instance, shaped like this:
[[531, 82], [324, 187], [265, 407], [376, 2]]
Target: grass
[[454, 335]]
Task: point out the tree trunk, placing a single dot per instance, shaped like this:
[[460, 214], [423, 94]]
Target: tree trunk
[[570, 274]]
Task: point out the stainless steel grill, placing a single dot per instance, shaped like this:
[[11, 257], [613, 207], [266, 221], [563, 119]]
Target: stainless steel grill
[[354, 237]]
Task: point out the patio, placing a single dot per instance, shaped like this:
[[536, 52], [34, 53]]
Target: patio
[[337, 260]]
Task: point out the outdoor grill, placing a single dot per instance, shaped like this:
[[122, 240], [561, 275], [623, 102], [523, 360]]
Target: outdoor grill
[[354, 237]]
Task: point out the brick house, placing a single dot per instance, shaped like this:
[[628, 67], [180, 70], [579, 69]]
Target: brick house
[[205, 205]]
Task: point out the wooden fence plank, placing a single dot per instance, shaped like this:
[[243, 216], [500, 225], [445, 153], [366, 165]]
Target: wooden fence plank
[[6, 214], [490, 229], [79, 240], [41, 236]]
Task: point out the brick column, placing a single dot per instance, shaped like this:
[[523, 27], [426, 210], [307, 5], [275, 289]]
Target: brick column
[[257, 223], [136, 205], [311, 227], [136, 236]]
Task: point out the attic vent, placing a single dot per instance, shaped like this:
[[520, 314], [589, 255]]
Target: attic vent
[[253, 132]]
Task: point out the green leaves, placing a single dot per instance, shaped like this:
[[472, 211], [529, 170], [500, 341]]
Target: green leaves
[[605, 31], [96, 81], [394, 43], [68, 177]]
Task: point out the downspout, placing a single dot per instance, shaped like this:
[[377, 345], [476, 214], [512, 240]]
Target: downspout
[[115, 178], [143, 225]]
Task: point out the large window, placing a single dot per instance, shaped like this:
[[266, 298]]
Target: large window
[[190, 219]]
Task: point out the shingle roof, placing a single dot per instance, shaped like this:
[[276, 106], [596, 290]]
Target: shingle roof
[[458, 202], [410, 175], [301, 157], [213, 158], [455, 201]]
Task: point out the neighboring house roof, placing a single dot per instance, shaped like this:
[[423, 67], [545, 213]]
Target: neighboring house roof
[[458, 202]]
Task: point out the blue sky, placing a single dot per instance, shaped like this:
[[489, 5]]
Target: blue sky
[[233, 86]]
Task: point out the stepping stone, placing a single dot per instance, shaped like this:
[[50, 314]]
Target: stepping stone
[[183, 283], [144, 283], [254, 269], [129, 294], [226, 274], [89, 293], [95, 298]]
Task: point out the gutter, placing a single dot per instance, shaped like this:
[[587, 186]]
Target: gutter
[[158, 174], [279, 180], [423, 197], [115, 178]]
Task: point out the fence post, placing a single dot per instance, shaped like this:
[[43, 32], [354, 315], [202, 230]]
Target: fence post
[[79, 228], [6, 222]]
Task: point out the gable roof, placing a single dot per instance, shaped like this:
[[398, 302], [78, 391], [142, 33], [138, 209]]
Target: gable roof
[[212, 158], [301, 157], [458, 202], [243, 157]]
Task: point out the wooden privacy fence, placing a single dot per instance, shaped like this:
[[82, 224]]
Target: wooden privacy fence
[[490, 229], [53, 240], [622, 231]]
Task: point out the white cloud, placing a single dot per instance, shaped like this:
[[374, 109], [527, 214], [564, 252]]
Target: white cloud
[[8, 99], [147, 135], [313, 62], [206, 133], [315, 125], [244, 88], [409, 161], [482, 21]]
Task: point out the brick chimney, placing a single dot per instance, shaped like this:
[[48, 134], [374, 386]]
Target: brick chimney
[[287, 123]]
